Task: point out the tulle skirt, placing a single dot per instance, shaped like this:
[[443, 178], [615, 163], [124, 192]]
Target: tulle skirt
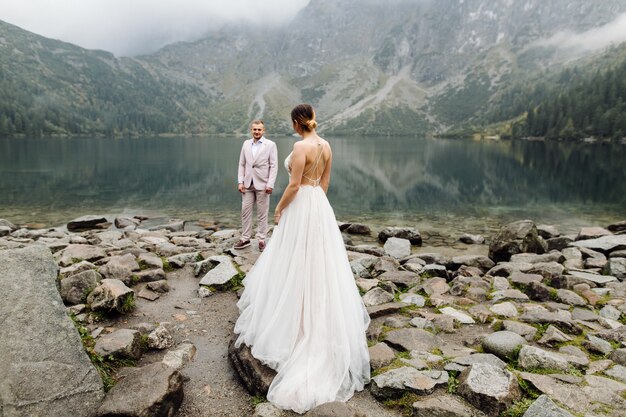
[[301, 312]]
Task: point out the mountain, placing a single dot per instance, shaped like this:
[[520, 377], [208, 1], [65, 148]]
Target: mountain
[[369, 67]]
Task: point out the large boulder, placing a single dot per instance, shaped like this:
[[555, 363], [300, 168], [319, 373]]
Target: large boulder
[[44, 367], [489, 388], [409, 233], [155, 390], [514, 238], [255, 376], [87, 223], [112, 295]]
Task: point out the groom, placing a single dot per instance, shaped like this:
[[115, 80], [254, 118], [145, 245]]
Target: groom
[[256, 176]]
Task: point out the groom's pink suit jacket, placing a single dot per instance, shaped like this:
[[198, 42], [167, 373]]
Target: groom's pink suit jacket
[[259, 170]]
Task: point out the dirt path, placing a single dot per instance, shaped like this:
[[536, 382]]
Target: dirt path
[[212, 386]]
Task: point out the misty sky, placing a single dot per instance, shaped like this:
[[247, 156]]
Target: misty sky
[[130, 27]]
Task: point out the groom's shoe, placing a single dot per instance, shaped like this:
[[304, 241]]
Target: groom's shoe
[[261, 245], [242, 244]]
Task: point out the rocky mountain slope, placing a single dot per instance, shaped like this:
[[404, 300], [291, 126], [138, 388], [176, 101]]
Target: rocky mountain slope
[[396, 67]]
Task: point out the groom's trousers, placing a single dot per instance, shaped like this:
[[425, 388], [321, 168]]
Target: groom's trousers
[[249, 199]]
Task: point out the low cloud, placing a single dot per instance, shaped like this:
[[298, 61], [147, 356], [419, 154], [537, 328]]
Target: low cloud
[[598, 38], [140, 26]]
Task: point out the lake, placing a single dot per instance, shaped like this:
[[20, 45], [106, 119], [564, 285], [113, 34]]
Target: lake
[[453, 186]]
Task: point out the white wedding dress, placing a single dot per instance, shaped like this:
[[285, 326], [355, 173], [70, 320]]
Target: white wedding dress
[[301, 312]]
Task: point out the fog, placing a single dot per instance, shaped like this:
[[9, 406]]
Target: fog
[[593, 39], [132, 27]]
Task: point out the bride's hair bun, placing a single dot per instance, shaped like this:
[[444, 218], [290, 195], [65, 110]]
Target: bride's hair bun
[[304, 116]]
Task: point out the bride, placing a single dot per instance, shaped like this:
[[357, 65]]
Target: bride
[[301, 312]]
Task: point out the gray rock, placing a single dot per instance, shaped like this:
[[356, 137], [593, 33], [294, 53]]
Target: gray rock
[[592, 233], [514, 238], [255, 376], [472, 239], [619, 356], [511, 294], [444, 405], [174, 225], [384, 309], [178, 357], [489, 388], [412, 339], [538, 291], [397, 248], [591, 277], [124, 222], [76, 253], [367, 249], [77, 268], [570, 297], [525, 330], [147, 294], [123, 343], [332, 409], [223, 272], [436, 286], [533, 258], [403, 279], [154, 390], [4, 231], [267, 410], [523, 279], [111, 295], [408, 233], [618, 372], [503, 344], [366, 284], [120, 267], [160, 338], [381, 355], [76, 288], [180, 260], [86, 223], [150, 260], [552, 336], [531, 357], [545, 407], [395, 382], [358, 229], [617, 227], [414, 299], [161, 286], [8, 224], [484, 358], [422, 323], [377, 296], [547, 231], [559, 243], [457, 315], [434, 270], [44, 368], [478, 261], [595, 344], [149, 275], [616, 267], [604, 244]]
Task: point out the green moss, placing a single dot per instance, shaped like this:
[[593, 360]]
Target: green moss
[[258, 399], [143, 265], [518, 408], [166, 265], [397, 363], [453, 383], [199, 258], [128, 304], [404, 403], [497, 325], [106, 366], [77, 260], [528, 389], [403, 355]]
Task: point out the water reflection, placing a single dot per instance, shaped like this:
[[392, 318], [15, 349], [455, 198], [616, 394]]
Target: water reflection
[[405, 179]]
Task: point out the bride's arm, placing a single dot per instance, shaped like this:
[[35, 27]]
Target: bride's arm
[[325, 180], [298, 160]]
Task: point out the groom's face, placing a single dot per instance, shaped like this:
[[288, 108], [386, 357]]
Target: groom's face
[[257, 131]]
